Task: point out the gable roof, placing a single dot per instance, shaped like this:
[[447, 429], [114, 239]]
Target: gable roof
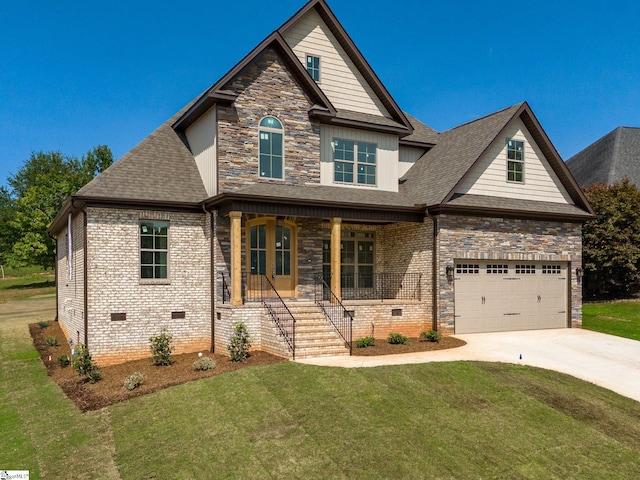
[[434, 178], [609, 159]]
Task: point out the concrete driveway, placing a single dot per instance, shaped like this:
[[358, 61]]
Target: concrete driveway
[[609, 361]]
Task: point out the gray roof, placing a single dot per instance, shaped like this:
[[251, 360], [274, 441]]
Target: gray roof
[[159, 169], [609, 160], [434, 176], [486, 202], [421, 133], [368, 118]]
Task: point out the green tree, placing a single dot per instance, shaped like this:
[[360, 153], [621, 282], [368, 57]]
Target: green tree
[[8, 234], [37, 192], [611, 242]]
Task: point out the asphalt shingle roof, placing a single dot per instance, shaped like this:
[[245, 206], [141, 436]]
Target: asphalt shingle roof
[[609, 159], [421, 133]]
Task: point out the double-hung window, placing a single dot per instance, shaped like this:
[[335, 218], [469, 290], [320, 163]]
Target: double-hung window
[[354, 162], [515, 161], [271, 136], [313, 67], [154, 249]]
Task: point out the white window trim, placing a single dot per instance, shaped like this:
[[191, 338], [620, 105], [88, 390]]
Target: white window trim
[[355, 163], [154, 281], [512, 160], [306, 59]]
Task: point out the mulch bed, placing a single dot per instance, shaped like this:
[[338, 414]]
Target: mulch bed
[[109, 390]]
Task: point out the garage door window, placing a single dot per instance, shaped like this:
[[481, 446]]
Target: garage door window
[[551, 269], [497, 269], [525, 269], [467, 268]]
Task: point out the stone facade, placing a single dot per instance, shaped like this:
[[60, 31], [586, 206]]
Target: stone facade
[[509, 239], [115, 286], [265, 87]]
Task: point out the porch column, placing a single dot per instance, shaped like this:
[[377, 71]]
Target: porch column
[[336, 236], [236, 258]]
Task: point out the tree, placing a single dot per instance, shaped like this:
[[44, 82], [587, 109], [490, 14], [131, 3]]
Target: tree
[[38, 191], [611, 242], [8, 234]]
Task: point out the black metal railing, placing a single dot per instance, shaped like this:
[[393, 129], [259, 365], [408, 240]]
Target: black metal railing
[[381, 286], [226, 293], [278, 310], [334, 310]]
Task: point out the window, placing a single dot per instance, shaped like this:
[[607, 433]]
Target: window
[[271, 148], [154, 238], [357, 256], [471, 268], [258, 249], [354, 162], [551, 270], [525, 269], [313, 67], [497, 269], [515, 161]]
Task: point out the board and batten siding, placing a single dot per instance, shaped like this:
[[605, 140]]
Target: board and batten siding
[[202, 141], [489, 175], [340, 80], [386, 156], [408, 156]]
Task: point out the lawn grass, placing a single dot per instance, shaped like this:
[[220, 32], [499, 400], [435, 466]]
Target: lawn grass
[[438, 420], [25, 286], [620, 318]]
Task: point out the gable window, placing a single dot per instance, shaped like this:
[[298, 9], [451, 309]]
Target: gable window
[[154, 249], [354, 162], [271, 148], [515, 161], [313, 67]]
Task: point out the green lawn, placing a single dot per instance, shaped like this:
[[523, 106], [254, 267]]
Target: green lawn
[[615, 318], [25, 286], [451, 420]]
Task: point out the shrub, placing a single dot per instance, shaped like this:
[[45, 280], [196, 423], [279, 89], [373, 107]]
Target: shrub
[[204, 363], [161, 348], [133, 381], [430, 336], [84, 365], [51, 342], [64, 361], [240, 344], [397, 339], [43, 323], [365, 342]]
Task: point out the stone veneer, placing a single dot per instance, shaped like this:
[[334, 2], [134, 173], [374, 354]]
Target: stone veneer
[[265, 87], [114, 285], [480, 238]]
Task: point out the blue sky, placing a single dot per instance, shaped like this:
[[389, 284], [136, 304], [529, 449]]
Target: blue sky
[[76, 74]]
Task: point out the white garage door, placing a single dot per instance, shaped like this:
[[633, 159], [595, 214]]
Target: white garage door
[[495, 296]]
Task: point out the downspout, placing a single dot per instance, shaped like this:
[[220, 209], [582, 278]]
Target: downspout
[[55, 273], [212, 279], [435, 269], [85, 275]]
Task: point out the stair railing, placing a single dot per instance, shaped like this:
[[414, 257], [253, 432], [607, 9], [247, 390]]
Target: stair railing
[[279, 312], [334, 310]]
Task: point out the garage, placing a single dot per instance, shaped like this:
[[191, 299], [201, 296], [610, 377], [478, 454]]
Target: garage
[[496, 296]]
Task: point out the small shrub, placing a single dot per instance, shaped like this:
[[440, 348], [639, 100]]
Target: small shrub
[[365, 342], [397, 339], [51, 342], [84, 365], [64, 361], [240, 343], [161, 348], [133, 381], [43, 324], [430, 336], [204, 363]]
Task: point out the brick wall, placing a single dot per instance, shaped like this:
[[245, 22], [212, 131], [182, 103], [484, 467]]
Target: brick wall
[[510, 239], [115, 286], [265, 87]]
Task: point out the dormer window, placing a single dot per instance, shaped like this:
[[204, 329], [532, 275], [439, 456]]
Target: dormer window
[[515, 161], [271, 136], [313, 67], [354, 162]]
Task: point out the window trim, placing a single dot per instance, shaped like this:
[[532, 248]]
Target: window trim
[[515, 161], [351, 236], [271, 130], [154, 281], [355, 162], [310, 72]]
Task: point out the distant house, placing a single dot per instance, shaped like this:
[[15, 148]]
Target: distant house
[[296, 196], [609, 160]]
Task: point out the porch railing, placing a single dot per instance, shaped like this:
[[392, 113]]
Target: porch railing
[[381, 286], [278, 310], [226, 292], [334, 310]]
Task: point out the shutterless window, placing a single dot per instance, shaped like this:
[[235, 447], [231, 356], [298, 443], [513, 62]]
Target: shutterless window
[[357, 257], [313, 67], [515, 161], [154, 249], [354, 162], [468, 268], [271, 148], [497, 269]]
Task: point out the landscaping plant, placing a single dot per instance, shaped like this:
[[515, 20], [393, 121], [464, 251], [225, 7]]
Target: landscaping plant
[[204, 363], [84, 364], [64, 361], [430, 336], [365, 342], [133, 381], [239, 345], [161, 348], [397, 339]]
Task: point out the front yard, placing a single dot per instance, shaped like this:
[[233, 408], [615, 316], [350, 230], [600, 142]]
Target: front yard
[[621, 318]]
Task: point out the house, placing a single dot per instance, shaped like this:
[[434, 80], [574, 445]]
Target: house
[[609, 160], [296, 196]]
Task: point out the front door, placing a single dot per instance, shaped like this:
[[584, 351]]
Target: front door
[[272, 252]]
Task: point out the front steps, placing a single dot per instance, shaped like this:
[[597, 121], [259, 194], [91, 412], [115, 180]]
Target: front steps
[[315, 336]]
